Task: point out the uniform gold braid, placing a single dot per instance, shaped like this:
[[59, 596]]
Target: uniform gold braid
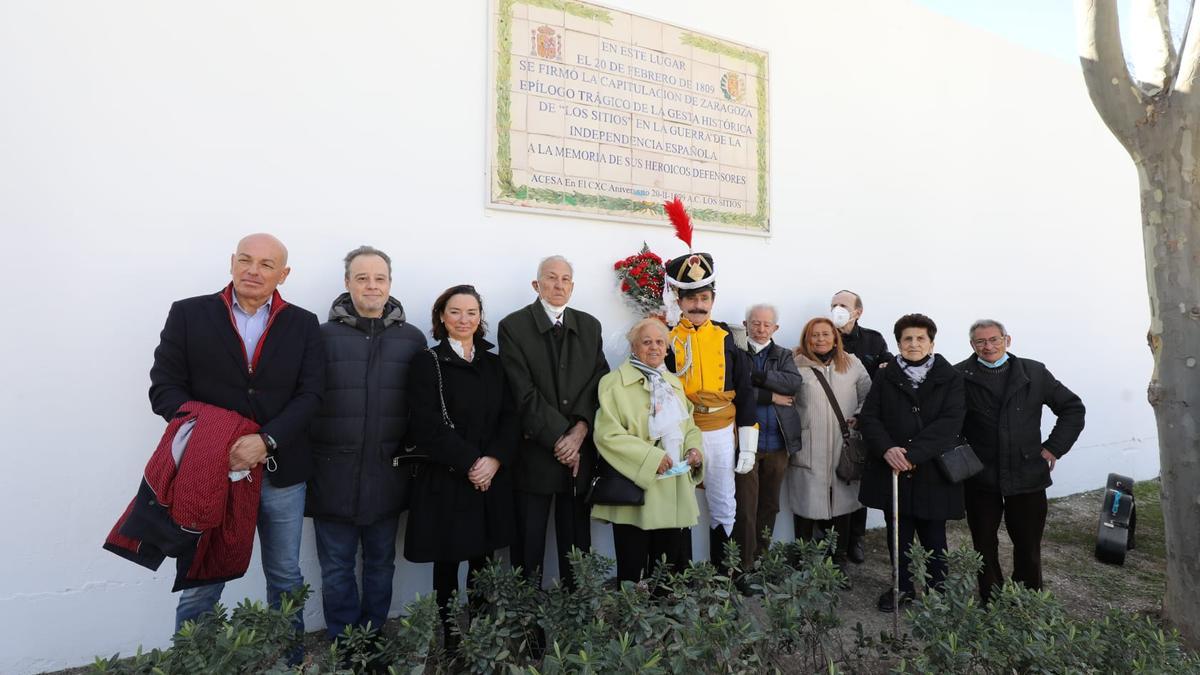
[[703, 372]]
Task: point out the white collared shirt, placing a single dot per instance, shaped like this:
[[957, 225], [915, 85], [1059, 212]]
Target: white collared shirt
[[250, 327], [460, 349]]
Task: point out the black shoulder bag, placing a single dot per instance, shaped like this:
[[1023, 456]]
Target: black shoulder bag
[[854, 452], [958, 463], [411, 454], [612, 487]]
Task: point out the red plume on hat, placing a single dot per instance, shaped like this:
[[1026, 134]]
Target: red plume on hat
[[681, 220]]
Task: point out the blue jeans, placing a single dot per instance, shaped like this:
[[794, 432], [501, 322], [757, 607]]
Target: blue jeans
[[337, 549], [280, 522]]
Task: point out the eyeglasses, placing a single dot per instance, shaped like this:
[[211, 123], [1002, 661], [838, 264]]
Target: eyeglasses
[[994, 341]]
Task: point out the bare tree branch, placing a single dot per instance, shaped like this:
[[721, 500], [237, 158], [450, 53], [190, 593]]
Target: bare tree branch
[[1153, 50], [1118, 101], [1189, 72]]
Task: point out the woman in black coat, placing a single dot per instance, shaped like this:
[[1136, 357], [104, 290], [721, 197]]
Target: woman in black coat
[[462, 507], [913, 413]]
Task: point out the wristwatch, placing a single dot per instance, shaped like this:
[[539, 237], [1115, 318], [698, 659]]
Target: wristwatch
[[270, 442]]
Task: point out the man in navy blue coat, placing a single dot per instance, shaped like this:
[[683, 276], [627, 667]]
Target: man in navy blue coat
[[247, 350]]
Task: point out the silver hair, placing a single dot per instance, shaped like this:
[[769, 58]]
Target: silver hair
[[638, 327], [552, 259], [764, 305], [367, 250], [985, 323]]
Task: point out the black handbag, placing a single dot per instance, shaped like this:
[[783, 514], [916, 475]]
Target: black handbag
[[853, 458], [959, 463], [413, 454], [612, 487]]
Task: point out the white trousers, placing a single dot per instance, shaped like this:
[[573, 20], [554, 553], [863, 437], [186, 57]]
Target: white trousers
[[719, 455]]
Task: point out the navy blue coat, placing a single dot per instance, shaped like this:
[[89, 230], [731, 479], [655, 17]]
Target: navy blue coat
[[361, 425], [200, 357]]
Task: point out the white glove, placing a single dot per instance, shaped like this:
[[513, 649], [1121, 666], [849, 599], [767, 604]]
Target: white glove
[[747, 446]]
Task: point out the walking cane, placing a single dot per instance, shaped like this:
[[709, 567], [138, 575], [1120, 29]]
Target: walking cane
[[896, 554]]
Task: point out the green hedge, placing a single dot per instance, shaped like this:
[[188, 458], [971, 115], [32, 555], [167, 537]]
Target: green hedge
[[780, 617]]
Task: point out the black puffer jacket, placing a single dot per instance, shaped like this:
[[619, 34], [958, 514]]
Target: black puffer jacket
[[1007, 434], [925, 422], [363, 420]]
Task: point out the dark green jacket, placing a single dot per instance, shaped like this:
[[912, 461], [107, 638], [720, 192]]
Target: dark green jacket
[[552, 394]]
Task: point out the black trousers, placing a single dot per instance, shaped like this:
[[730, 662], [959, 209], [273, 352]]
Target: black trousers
[[1025, 519], [572, 528], [805, 527], [932, 534], [445, 582], [640, 552], [858, 525]]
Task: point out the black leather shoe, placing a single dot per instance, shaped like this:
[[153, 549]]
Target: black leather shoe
[[716, 548], [856, 553], [886, 602]]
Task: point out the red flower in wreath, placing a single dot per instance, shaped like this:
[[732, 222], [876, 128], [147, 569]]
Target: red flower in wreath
[[641, 281]]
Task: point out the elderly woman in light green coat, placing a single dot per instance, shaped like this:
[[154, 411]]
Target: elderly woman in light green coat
[[644, 430]]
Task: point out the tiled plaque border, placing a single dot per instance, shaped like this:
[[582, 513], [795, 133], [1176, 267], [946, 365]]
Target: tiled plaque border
[[506, 193]]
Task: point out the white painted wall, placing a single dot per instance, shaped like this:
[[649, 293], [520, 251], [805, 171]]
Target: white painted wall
[[926, 164]]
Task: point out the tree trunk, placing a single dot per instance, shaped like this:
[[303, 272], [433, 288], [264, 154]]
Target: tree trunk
[[1156, 121], [1172, 242]]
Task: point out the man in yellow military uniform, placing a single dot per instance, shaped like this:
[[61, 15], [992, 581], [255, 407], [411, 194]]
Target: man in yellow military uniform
[[716, 379]]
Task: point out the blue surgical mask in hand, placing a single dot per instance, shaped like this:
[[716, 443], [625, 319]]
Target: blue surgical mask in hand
[[676, 469]]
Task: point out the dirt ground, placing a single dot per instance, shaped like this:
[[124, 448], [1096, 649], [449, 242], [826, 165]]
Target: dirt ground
[[1085, 586]]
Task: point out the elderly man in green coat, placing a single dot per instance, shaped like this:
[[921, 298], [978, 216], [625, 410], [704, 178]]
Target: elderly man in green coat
[[645, 431], [553, 358]]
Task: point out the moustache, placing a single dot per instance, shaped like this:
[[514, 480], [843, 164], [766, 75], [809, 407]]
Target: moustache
[[696, 311]]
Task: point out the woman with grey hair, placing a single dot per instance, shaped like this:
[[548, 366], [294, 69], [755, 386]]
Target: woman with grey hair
[[644, 431]]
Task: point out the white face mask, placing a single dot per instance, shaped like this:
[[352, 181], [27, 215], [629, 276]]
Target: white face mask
[[551, 308], [840, 316]]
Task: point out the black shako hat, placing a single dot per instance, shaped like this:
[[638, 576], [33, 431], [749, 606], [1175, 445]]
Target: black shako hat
[[692, 272]]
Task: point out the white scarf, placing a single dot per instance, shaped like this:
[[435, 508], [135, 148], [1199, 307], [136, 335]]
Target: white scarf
[[666, 410]]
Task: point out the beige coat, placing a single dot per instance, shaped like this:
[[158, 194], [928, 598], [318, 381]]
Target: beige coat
[[622, 437], [814, 490]]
